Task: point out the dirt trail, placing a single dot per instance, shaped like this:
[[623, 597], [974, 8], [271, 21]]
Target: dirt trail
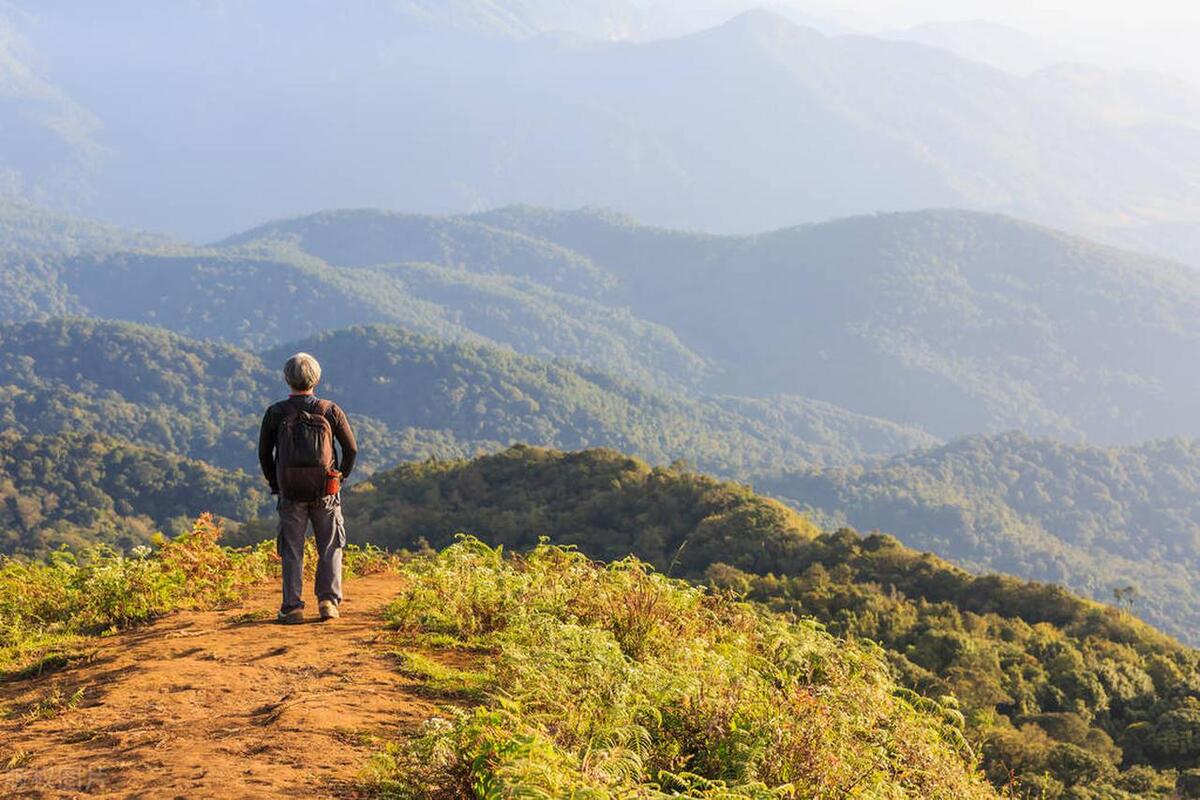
[[216, 704]]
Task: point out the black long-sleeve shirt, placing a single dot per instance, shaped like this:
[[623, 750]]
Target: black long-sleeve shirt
[[342, 433]]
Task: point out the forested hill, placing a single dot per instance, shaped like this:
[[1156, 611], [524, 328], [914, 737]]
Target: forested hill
[[81, 489], [364, 237], [411, 397], [487, 397], [1096, 519], [955, 321], [1068, 693], [28, 229], [267, 293]]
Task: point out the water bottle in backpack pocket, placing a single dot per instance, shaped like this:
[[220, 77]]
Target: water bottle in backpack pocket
[[304, 455]]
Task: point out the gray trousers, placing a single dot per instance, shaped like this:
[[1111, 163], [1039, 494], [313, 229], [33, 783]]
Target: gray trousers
[[329, 530]]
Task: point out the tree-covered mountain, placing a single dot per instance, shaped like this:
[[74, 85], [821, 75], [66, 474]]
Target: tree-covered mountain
[[27, 229], [490, 397], [411, 396], [1078, 699], [953, 321], [80, 489], [1096, 519], [273, 296], [145, 385], [34, 241], [368, 237]]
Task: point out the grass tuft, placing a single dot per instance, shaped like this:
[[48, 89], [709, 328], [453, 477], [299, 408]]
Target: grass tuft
[[442, 679], [52, 703]]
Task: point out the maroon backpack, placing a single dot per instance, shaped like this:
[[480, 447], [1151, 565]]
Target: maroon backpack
[[304, 451]]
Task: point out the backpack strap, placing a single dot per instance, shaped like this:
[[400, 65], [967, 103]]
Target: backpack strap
[[324, 407]]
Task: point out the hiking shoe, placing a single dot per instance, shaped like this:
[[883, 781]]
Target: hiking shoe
[[329, 610], [293, 617]]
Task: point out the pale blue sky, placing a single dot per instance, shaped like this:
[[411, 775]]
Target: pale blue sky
[[1157, 34], [1162, 35]]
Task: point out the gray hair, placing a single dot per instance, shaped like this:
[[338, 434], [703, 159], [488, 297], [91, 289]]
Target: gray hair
[[302, 372]]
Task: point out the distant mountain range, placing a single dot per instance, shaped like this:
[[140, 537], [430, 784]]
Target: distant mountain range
[[956, 322], [825, 363], [195, 118]]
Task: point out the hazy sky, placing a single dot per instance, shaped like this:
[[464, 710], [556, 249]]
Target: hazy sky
[[1159, 34]]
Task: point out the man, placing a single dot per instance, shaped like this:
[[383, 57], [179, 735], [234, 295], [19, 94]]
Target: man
[[298, 459]]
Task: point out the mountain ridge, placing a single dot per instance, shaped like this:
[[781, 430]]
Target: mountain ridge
[[205, 399], [954, 321], [929, 281]]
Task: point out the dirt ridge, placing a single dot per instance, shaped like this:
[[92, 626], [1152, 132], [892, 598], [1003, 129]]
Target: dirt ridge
[[224, 704]]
